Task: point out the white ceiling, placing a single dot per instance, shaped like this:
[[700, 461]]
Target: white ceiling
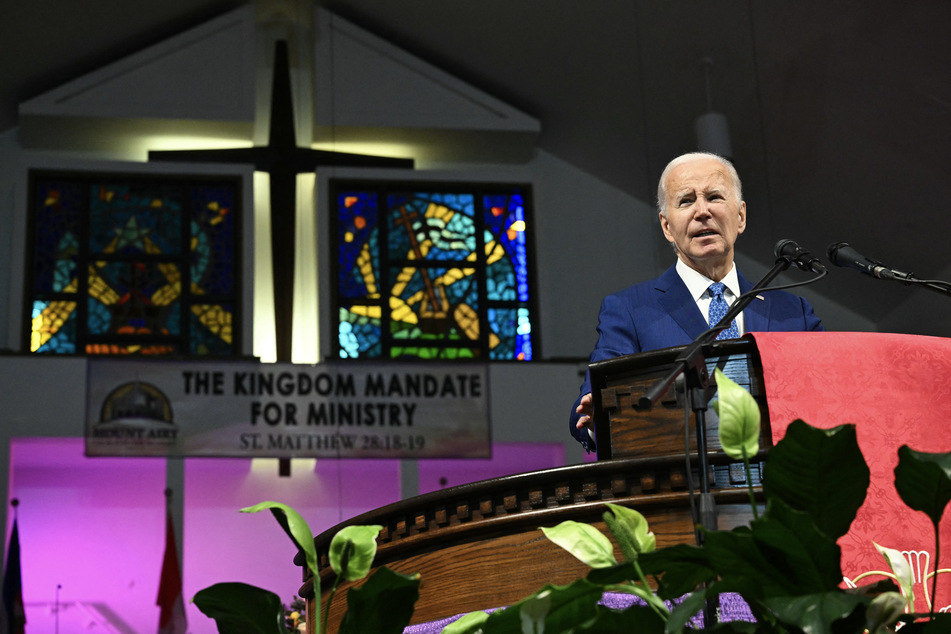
[[840, 112]]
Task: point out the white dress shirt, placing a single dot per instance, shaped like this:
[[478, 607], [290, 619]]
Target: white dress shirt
[[698, 283]]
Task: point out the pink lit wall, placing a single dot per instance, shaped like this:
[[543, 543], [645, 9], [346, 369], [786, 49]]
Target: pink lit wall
[[507, 459], [91, 535], [225, 545], [92, 530]]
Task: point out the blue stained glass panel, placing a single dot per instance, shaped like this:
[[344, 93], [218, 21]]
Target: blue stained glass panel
[[56, 248], [431, 227], [500, 281], [132, 220], [213, 231], [457, 278], [504, 321], [358, 334], [357, 244], [210, 329], [143, 256], [523, 338], [138, 295], [63, 337], [506, 222]]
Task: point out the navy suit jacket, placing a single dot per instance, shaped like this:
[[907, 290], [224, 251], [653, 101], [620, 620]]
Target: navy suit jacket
[[660, 313]]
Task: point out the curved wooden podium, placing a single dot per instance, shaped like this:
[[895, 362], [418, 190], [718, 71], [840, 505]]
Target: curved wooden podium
[[478, 546]]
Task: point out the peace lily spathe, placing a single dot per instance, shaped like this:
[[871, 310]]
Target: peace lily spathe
[[352, 551], [739, 418]]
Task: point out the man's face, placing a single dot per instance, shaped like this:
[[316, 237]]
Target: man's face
[[704, 216]]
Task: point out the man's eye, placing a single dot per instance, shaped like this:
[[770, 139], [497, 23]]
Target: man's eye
[[686, 201]]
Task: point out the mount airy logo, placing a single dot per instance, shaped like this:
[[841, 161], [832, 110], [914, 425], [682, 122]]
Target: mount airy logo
[[136, 413]]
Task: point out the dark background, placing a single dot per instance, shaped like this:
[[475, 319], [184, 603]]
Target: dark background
[[839, 112]]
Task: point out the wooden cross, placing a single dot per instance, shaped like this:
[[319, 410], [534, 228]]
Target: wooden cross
[[283, 160]]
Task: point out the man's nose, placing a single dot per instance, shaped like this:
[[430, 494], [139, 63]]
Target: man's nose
[[700, 208]]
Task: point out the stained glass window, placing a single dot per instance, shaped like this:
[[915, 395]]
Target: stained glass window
[[430, 272], [131, 264]]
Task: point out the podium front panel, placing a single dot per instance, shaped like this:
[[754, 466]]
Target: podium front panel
[[622, 430]]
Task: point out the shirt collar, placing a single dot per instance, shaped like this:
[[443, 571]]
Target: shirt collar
[[698, 283]]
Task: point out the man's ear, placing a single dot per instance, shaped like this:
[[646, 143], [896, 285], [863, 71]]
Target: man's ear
[[665, 226], [742, 225]]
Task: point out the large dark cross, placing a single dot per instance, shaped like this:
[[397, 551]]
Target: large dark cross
[[283, 160]]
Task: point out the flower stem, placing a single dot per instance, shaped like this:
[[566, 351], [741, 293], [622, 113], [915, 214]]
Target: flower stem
[[749, 483], [317, 604], [934, 579], [330, 600]]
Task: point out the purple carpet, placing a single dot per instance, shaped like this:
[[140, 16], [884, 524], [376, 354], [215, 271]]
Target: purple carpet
[[732, 608]]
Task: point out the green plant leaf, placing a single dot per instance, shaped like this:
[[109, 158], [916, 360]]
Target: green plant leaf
[[352, 551], [585, 542], [683, 566], [629, 528], [743, 566], [923, 481], [807, 559], [821, 472], [641, 592], [295, 526], [739, 416], [239, 608], [620, 573], [555, 608], [682, 613], [383, 604], [637, 618], [823, 613], [884, 611], [469, 624]]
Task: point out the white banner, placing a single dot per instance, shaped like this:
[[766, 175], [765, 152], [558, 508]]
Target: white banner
[[284, 410]]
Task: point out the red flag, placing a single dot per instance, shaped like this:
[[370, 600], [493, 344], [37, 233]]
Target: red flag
[[172, 618], [13, 586]]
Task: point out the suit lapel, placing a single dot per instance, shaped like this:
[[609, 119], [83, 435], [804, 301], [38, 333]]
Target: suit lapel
[[756, 313], [673, 296]]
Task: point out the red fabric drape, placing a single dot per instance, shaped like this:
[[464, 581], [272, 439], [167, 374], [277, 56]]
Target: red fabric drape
[[896, 389]]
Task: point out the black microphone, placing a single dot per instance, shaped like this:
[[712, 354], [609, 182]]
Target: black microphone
[[789, 250], [841, 254]]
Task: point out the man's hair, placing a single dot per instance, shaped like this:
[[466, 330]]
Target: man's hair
[[686, 158]]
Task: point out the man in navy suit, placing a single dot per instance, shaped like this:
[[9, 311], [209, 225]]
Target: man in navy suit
[[702, 212]]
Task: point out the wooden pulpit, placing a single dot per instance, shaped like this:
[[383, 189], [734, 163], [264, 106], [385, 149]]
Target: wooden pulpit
[[477, 546]]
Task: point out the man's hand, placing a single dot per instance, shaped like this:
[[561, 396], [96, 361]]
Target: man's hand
[[586, 409]]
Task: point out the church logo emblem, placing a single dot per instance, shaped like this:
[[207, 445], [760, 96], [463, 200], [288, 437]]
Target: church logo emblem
[[136, 413]]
